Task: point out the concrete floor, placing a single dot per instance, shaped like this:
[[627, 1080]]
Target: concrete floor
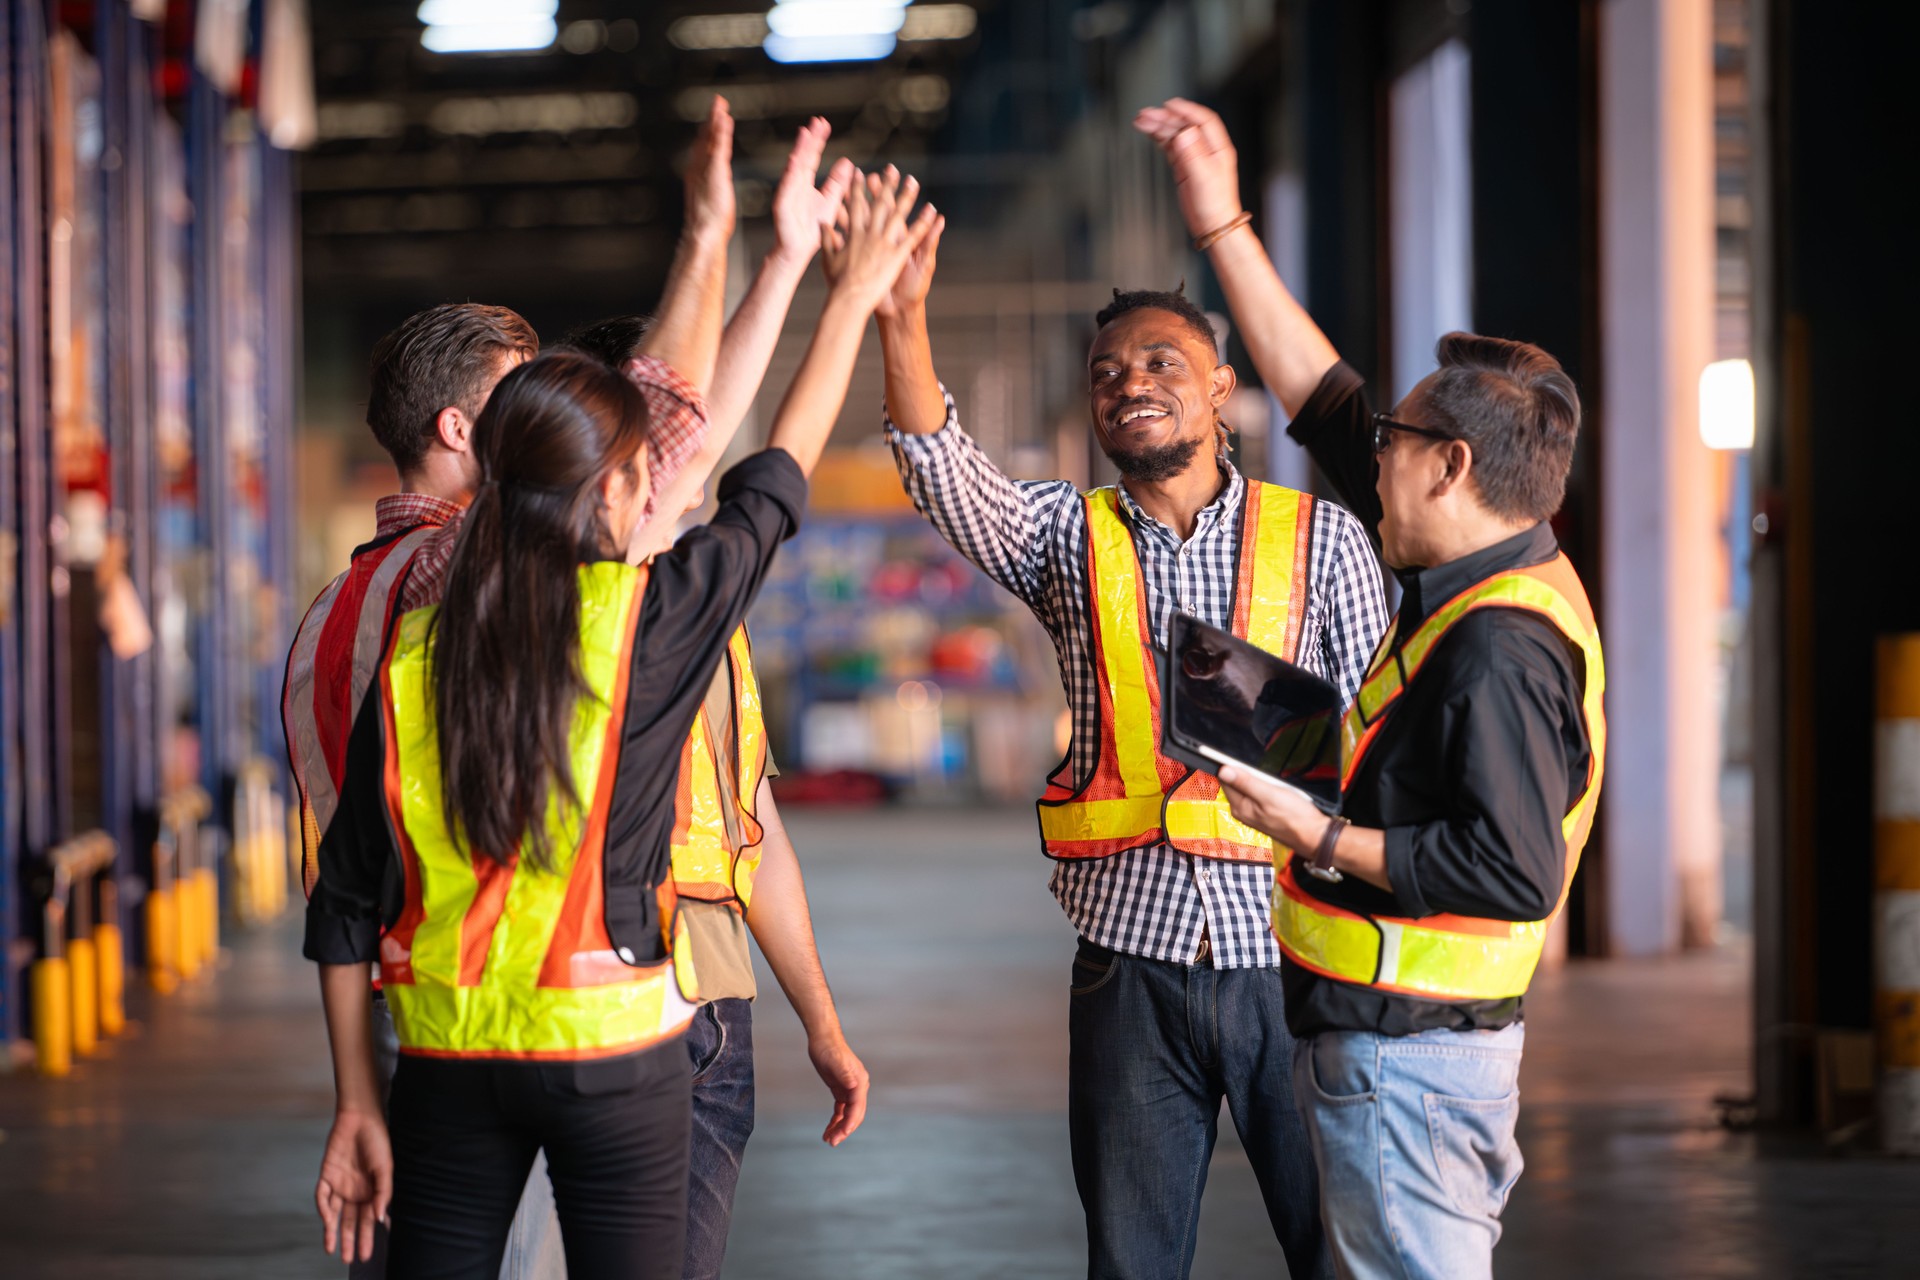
[[188, 1149]]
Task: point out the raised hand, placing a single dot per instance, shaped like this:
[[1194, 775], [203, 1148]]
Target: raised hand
[[864, 255], [800, 210], [710, 174], [1206, 168]]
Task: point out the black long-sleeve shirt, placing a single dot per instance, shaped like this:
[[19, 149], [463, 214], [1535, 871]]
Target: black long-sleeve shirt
[[696, 595], [1476, 766]]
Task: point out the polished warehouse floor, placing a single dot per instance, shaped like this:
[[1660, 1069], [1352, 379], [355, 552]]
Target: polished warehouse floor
[[187, 1151]]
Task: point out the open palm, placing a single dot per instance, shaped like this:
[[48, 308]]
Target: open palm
[[800, 209]]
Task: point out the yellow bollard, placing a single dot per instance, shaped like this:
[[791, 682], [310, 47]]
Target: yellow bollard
[[209, 915], [52, 1016], [84, 975], [163, 941], [112, 957], [187, 946]]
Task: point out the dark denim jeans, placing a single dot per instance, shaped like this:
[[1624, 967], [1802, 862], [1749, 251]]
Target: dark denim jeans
[[1155, 1049], [721, 1044]]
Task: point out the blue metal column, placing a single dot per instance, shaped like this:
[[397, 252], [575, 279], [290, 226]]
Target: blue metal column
[[12, 781], [32, 443], [214, 659], [123, 681]]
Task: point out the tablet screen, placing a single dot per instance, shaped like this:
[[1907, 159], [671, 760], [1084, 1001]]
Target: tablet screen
[[1255, 708]]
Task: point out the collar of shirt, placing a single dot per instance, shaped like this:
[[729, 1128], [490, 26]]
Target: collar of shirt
[[1210, 516], [399, 512], [1425, 589]]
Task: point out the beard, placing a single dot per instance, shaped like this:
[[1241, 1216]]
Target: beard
[[1154, 462]]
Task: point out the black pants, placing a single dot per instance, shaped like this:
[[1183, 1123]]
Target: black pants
[[615, 1132]]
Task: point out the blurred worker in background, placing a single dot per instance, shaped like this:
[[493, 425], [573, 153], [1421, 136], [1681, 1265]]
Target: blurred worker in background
[[535, 962], [430, 379], [1176, 995], [1412, 924]]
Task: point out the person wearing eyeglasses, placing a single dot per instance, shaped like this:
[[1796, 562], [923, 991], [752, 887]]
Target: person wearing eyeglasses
[[1409, 926]]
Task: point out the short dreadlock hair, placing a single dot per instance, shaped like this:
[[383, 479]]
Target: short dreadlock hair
[[1175, 301]]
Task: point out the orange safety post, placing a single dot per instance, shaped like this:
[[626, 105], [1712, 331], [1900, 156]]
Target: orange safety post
[[53, 996], [163, 919], [1896, 862], [110, 954]]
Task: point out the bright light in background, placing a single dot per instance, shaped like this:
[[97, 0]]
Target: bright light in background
[[1726, 405], [920, 22], [488, 26], [833, 30]]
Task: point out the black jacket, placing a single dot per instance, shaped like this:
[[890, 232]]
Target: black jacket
[[1477, 764]]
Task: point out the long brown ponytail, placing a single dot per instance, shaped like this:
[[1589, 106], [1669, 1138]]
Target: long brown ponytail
[[506, 658]]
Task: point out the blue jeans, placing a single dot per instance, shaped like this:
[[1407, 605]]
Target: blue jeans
[[720, 1042], [1414, 1139], [1155, 1049]]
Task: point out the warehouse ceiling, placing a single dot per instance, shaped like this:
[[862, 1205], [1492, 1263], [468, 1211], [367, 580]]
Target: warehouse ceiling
[[516, 174]]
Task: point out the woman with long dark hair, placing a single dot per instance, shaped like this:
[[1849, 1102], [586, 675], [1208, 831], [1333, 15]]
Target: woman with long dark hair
[[508, 807]]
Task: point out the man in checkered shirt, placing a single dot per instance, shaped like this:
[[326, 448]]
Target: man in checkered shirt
[[1176, 1000]]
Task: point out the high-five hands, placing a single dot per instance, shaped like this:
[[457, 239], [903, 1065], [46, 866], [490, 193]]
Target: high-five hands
[[800, 210], [873, 239], [1205, 166], [709, 178]]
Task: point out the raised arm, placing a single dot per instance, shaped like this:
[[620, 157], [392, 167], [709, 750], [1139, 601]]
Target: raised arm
[[863, 262], [687, 335], [1287, 347], [800, 212]]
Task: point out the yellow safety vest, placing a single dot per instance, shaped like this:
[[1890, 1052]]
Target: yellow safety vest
[[491, 960], [1135, 796], [1449, 957], [706, 865]]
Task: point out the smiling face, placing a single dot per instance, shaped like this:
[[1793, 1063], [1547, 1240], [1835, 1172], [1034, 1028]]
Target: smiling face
[[1155, 391]]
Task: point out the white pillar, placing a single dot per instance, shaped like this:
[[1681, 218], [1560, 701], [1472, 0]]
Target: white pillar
[[1658, 516]]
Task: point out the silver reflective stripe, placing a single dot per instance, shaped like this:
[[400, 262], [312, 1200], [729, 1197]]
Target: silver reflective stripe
[[370, 632], [1389, 953], [303, 731]]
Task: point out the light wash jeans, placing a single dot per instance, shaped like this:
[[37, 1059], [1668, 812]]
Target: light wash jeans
[[1413, 1136]]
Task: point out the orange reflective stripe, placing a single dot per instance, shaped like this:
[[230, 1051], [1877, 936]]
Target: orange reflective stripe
[[706, 866]]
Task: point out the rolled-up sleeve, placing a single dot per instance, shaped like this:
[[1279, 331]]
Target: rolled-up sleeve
[[676, 422], [988, 517]]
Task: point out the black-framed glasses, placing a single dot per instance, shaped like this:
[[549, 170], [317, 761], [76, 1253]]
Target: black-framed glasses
[[1384, 427]]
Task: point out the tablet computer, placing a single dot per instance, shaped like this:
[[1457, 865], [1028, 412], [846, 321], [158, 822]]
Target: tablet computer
[[1226, 701]]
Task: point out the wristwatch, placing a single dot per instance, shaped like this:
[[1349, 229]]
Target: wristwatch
[[1322, 864]]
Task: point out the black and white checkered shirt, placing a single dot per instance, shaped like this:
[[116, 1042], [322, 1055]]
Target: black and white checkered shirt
[[1031, 538]]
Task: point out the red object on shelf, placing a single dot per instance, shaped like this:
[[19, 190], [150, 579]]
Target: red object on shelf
[[854, 788]]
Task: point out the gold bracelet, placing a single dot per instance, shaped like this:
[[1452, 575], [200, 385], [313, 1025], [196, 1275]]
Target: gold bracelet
[[1218, 234]]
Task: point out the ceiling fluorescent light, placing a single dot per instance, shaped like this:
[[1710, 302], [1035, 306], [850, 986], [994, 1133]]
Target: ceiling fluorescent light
[[809, 19], [488, 26], [828, 48], [492, 37], [719, 31]]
